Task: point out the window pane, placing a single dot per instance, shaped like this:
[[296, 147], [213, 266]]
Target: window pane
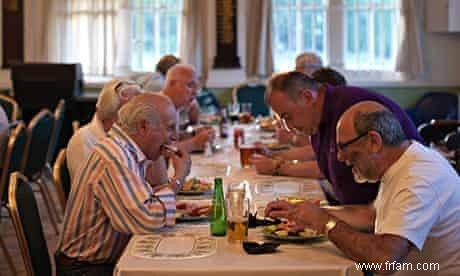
[[371, 35], [156, 30], [298, 26]]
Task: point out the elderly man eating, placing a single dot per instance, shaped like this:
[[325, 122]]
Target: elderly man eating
[[111, 199], [416, 216]]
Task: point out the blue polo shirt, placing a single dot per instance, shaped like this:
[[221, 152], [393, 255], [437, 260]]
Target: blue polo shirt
[[336, 101]]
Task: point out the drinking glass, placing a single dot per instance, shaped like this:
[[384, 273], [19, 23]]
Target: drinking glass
[[237, 216]]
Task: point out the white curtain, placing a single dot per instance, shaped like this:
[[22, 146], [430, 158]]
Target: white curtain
[[35, 30], [84, 31], [259, 54], [409, 58], [194, 36]]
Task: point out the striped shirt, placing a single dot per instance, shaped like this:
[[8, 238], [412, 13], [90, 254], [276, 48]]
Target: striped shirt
[[110, 200]]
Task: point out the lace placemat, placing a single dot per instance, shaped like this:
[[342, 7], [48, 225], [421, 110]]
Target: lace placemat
[[173, 246]]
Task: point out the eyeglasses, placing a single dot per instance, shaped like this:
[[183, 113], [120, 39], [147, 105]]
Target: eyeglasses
[[282, 119], [342, 146]]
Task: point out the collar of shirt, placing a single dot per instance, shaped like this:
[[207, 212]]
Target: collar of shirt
[[393, 170], [117, 133]]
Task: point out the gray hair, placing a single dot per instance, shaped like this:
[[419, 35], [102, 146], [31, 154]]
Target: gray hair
[[108, 101], [135, 111], [291, 83], [308, 59], [382, 121]]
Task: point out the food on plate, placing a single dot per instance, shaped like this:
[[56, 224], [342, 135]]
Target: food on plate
[[268, 124], [288, 229], [192, 210], [196, 185]]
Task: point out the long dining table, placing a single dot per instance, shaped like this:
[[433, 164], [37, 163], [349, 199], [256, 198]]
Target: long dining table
[[318, 257]]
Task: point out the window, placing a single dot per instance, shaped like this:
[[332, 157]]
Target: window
[[155, 31], [299, 26], [347, 34]]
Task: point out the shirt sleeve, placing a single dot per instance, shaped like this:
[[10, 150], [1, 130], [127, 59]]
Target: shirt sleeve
[[130, 202], [411, 214]]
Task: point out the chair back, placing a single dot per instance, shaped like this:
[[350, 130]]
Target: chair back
[[10, 106], [28, 226], [208, 101], [62, 178], [434, 105], [254, 94], [436, 130], [58, 121], [452, 140], [12, 160], [39, 132]]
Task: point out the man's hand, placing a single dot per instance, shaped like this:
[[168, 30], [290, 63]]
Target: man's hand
[[181, 163], [263, 149], [304, 214], [203, 135], [283, 136], [263, 164]]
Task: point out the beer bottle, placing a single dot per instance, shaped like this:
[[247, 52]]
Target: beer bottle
[[223, 124], [218, 213]]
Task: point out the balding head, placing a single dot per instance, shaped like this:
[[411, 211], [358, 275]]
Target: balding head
[[367, 116], [307, 63], [153, 108], [181, 85]]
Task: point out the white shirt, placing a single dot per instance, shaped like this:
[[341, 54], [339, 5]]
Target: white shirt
[[81, 145], [151, 81], [419, 200]]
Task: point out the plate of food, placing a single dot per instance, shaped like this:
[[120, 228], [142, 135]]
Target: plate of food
[[195, 186], [285, 232], [189, 212], [268, 124]]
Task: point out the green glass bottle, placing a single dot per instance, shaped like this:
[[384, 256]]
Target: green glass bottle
[[218, 213]]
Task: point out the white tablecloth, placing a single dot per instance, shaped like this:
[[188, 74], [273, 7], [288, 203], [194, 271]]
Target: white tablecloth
[[320, 258]]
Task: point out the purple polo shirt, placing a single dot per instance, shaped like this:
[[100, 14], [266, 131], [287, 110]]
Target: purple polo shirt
[[337, 100]]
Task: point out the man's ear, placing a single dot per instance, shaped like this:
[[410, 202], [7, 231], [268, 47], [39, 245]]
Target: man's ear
[[306, 96], [376, 141], [142, 127]]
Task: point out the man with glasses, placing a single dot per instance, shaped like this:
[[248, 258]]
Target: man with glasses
[[415, 219], [309, 108]]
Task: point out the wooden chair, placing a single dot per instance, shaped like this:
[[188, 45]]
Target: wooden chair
[[62, 178], [39, 133], [10, 106], [28, 226]]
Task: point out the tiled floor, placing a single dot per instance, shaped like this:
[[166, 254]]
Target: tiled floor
[[9, 236]]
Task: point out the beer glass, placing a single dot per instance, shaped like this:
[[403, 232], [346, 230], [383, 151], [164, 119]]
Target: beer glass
[[245, 153], [237, 216]]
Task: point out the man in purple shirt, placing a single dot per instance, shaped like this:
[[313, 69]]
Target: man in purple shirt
[[309, 108]]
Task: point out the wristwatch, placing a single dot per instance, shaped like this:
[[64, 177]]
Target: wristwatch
[[329, 226], [176, 182]]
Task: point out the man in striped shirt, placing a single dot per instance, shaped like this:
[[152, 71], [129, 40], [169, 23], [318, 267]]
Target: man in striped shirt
[[110, 198]]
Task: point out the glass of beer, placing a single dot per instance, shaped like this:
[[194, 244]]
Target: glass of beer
[[237, 217], [245, 153]]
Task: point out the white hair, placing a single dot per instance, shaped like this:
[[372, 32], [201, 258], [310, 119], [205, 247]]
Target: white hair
[[135, 111], [308, 59], [111, 96], [108, 101]]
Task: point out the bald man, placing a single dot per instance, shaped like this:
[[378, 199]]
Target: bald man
[[110, 198], [416, 217], [182, 87]]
